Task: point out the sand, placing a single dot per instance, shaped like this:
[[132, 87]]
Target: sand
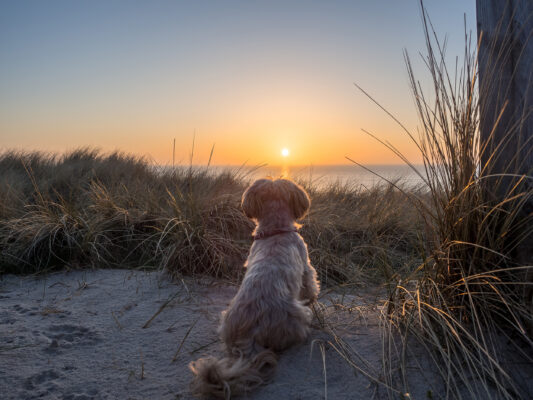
[[122, 334]]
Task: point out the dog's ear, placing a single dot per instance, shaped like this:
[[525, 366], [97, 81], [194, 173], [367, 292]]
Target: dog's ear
[[251, 199], [299, 201]]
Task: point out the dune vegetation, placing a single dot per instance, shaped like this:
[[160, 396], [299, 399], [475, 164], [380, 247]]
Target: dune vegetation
[[86, 209], [470, 301]]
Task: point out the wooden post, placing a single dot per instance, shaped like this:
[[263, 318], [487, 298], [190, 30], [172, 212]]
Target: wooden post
[[506, 109], [506, 90], [506, 84]]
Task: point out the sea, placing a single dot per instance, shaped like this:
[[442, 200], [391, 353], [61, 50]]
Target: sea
[[322, 176]]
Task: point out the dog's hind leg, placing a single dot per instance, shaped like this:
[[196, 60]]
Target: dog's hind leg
[[290, 326]]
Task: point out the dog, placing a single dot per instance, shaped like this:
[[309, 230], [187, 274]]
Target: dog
[[271, 311]]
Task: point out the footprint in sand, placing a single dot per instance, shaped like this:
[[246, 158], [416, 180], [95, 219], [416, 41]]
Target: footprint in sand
[[22, 310], [40, 379], [6, 317], [66, 335], [49, 382]]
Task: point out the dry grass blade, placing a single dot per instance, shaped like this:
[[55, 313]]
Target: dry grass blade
[[176, 354], [163, 306], [323, 354]]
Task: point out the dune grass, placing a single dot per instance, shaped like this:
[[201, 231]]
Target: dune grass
[[469, 301], [86, 209]]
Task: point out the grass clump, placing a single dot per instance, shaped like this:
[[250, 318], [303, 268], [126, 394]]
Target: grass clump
[[86, 209], [358, 236], [466, 301]]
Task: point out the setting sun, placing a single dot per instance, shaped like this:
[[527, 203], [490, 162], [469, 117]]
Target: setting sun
[[285, 152]]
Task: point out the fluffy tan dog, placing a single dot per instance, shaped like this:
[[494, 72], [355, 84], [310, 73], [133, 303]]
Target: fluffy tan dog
[[271, 309]]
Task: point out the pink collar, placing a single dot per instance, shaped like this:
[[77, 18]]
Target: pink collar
[[264, 235]]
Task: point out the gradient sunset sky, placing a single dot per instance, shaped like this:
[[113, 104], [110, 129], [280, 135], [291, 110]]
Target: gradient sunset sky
[[251, 77]]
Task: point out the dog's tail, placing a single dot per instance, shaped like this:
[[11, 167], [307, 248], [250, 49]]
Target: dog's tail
[[230, 376]]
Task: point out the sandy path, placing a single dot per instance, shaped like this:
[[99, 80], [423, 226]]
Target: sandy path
[[80, 335]]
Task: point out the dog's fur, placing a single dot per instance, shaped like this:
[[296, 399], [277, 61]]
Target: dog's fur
[[270, 312]]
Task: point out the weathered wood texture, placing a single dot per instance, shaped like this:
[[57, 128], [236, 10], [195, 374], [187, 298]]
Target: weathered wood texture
[[506, 79], [506, 90], [506, 115]]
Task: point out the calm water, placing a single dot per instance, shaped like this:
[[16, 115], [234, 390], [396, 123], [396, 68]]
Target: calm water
[[324, 175]]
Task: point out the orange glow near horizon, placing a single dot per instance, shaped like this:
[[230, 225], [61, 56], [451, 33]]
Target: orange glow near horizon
[[311, 146], [259, 142], [235, 149]]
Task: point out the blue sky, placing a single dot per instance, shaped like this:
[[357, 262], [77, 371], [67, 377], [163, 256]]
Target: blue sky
[[249, 76]]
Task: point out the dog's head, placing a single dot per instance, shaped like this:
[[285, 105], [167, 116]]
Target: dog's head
[[267, 195]]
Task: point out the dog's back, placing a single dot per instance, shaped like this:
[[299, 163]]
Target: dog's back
[[266, 311]]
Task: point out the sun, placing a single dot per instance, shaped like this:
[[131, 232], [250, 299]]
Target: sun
[[285, 152]]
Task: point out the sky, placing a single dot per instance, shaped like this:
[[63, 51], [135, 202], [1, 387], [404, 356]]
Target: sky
[[248, 77]]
